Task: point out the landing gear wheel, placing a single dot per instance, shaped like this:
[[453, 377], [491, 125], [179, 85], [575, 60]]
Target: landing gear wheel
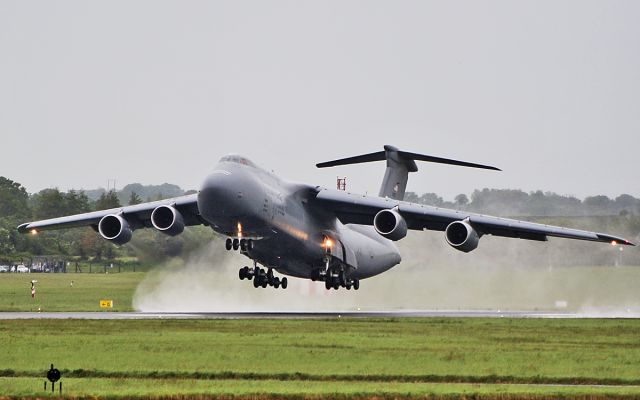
[[348, 285], [243, 245], [276, 283], [256, 281], [236, 244], [284, 282], [242, 273], [228, 244], [356, 284], [342, 278], [327, 284]]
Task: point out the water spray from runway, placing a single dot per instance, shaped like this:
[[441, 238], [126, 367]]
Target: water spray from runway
[[502, 274]]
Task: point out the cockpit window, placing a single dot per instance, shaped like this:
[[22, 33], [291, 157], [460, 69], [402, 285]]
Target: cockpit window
[[237, 159]]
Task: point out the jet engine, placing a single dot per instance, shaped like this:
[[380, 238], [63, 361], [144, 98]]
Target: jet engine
[[115, 229], [167, 220], [461, 236], [390, 224]]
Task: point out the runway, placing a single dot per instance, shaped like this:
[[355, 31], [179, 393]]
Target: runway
[[309, 315]]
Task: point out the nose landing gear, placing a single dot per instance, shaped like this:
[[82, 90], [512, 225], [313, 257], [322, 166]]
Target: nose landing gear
[[262, 278]]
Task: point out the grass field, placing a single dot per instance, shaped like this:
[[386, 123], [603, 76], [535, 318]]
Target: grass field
[[54, 292], [394, 357]]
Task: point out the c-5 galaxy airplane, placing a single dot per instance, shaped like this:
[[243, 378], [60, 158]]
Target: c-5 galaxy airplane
[[309, 231]]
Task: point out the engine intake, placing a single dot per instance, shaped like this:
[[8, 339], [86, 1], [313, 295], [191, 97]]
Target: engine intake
[[461, 236], [115, 229], [167, 220], [390, 224]]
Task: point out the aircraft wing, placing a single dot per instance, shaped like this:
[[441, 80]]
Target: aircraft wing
[[138, 216], [361, 209]]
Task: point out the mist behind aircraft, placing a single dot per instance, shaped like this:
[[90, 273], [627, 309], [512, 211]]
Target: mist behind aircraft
[[502, 274]]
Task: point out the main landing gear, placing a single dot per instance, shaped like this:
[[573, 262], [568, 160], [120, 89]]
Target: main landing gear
[[334, 277], [242, 244], [262, 278]]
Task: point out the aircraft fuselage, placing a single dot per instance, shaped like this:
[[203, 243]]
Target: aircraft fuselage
[[241, 200]]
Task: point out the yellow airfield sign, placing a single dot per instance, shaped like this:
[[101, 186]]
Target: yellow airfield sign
[[106, 303]]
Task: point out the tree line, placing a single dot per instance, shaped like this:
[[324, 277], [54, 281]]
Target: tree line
[[18, 206]]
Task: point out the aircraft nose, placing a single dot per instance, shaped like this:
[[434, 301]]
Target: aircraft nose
[[222, 200]]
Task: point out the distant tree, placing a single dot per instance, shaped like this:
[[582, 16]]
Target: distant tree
[[627, 202], [76, 202], [13, 199], [431, 199], [108, 200], [461, 200], [134, 199], [597, 201], [410, 197], [49, 203]]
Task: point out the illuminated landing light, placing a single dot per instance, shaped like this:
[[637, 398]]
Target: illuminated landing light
[[328, 243], [239, 230], [34, 231], [613, 243]]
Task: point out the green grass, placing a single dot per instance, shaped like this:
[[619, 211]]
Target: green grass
[[54, 292], [344, 356], [193, 387]]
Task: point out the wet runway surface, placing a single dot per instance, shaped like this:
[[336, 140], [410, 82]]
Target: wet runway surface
[[310, 315]]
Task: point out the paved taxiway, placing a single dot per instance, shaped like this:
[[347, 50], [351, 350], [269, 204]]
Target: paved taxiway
[[309, 315]]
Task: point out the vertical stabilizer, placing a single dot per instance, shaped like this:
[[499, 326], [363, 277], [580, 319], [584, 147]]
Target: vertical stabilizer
[[394, 183]]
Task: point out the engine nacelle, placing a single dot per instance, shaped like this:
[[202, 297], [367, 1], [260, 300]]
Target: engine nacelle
[[115, 229], [461, 236], [167, 220], [390, 224]]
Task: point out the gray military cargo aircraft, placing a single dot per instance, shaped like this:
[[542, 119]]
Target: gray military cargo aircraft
[[308, 231]]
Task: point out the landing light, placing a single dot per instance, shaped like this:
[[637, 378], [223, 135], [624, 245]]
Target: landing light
[[34, 231], [328, 243], [239, 230], [613, 243]]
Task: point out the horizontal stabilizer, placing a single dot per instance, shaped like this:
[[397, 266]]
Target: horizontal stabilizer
[[439, 160], [377, 156], [405, 156]]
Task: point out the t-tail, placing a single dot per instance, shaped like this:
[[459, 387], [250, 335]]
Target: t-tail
[[399, 164]]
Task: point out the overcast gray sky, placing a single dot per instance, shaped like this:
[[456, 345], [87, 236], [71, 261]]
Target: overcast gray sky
[[157, 91]]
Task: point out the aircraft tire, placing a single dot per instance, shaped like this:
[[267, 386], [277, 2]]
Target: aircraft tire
[[356, 284], [236, 244], [228, 244], [256, 282], [276, 283], [342, 278], [241, 273], [243, 245], [284, 282]]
